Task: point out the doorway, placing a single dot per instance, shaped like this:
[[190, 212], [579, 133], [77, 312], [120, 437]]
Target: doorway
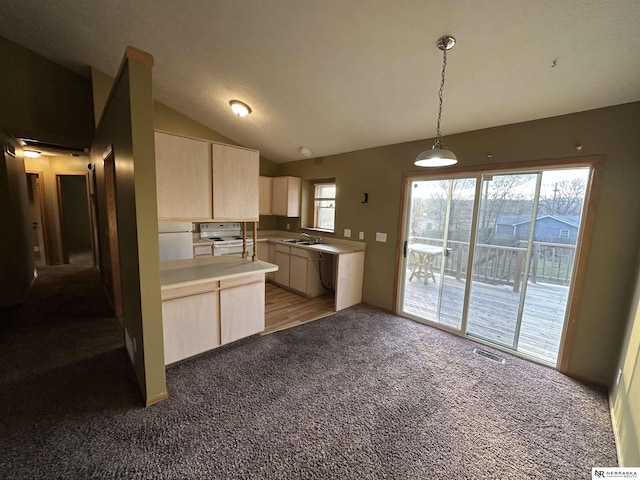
[[75, 221], [491, 255], [36, 196]]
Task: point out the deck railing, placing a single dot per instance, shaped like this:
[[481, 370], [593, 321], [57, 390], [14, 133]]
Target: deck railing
[[502, 265]]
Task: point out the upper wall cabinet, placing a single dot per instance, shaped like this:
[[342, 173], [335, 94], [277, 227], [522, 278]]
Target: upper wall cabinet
[[286, 196], [266, 185], [183, 178], [203, 181], [235, 183]]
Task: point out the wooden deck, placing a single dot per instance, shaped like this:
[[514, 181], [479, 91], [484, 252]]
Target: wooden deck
[[493, 311]]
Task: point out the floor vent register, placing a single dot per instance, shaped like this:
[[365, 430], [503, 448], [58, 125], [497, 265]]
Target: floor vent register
[[489, 355]]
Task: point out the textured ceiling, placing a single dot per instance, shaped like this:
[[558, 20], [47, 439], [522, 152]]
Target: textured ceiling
[[344, 75]]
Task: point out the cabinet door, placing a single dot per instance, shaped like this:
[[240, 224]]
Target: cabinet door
[[183, 178], [285, 200], [241, 310], [282, 260], [271, 259], [236, 174], [265, 195], [190, 326], [298, 270], [263, 251]]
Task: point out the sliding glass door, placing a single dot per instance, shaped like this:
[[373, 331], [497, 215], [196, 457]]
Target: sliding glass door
[[492, 256], [437, 249]]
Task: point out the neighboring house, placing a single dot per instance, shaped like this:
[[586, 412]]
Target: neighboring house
[[548, 228]]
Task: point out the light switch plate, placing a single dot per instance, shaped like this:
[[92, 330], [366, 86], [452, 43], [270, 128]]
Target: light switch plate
[[381, 237], [361, 235], [347, 232]]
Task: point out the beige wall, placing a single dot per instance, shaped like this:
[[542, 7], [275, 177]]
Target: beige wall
[[625, 397], [612, 132], [126, 126], [16, 257], [169, 120], [43, 100]]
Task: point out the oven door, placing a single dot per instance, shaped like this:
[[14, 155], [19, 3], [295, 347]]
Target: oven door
[[219, 250], [230, 249]]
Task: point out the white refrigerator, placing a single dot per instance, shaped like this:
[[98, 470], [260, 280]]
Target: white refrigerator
[[176, 240]]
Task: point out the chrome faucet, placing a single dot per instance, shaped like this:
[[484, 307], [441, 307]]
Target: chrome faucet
[[311, 239]]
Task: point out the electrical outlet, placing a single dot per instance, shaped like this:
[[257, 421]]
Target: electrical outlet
[[619, 377], [361, 235], [288, 226], [347, 232], [381, 237]]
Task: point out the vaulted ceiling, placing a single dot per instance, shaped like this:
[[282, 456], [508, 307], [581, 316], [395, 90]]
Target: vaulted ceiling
[[344, 75]]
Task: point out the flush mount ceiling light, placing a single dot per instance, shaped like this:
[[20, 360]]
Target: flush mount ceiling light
[[239, 108], [306, 151], [439, 156], [31, 154]]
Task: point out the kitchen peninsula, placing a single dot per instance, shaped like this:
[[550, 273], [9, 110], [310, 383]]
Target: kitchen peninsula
[[208, 302]]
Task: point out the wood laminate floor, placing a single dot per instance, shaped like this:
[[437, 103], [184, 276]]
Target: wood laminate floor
[[284, 309]]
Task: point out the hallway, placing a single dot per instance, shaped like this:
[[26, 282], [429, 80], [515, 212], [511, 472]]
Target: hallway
[[62, 359]]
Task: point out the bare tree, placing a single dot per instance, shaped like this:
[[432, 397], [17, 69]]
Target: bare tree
[[500, 196], [565, 198]]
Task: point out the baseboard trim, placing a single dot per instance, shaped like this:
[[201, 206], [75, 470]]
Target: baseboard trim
[[616, 436], [156, 399]]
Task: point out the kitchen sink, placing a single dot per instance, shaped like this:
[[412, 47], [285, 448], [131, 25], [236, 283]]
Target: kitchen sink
[[299, 241]]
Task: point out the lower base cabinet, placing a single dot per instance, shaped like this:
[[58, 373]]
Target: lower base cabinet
[[203, 317], [282, 260], [190, 326], [241, 308], [298, 270]]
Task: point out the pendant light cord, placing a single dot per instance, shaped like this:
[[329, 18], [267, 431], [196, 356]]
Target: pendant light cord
[[438, 132]]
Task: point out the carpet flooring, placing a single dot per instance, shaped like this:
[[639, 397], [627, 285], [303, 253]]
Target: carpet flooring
[[361, 394]]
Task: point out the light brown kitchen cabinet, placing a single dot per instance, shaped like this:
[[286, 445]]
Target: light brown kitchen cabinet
[[241, 307], [265, 188], [202, 251], [183, 178], [267, 253], [298, 270], [281, 259], [285, 200], [190, 325], [236, 174], [204, 316]]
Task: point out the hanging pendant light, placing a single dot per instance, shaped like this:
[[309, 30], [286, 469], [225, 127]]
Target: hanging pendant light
[[439, 155]]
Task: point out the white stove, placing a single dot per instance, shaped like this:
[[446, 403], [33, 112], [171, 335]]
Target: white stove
[[226, 238]]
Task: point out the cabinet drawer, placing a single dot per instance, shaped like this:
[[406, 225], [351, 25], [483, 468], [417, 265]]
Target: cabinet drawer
[[299, 252], [189, 290], [282, 248], [243, 280], [202, 251]]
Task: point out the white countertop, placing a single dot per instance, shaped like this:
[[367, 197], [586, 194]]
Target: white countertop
[[192, 271], [332, 246]]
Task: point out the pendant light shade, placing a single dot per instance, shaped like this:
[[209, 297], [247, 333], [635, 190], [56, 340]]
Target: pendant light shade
[[439, 155], [436, 157]]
